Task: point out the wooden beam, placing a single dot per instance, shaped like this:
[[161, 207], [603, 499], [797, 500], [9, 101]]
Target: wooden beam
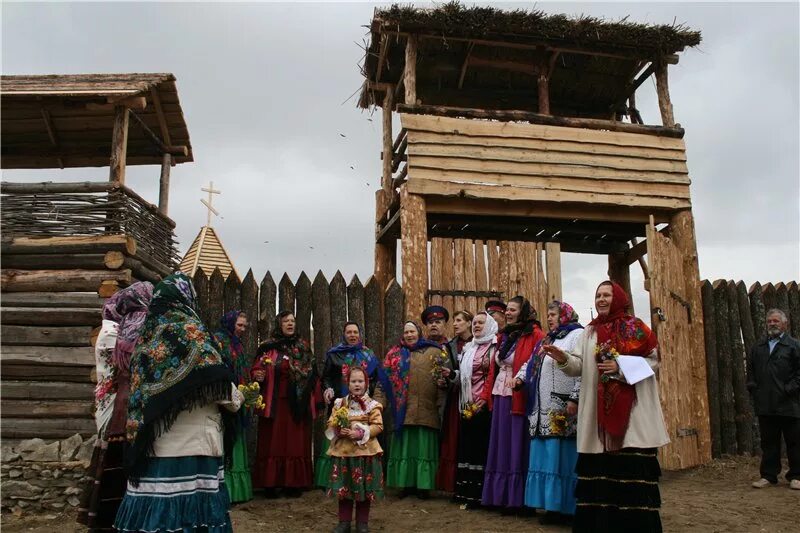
[[60, 280], [112, 260], [52, 299], [664, 103], [401, 177], [390, 231], [37, 316], [162, 121], [414, 242], [543, 84], [386, 177], [640, 257], [619, 272], [539, 118], [410, 73], [163, 184], [465, 65], [119, 144], [47, 409], [134, 103], [637, 251], [46, 335], [51, 132], [22, 390], [514, 66], [381, 57], [552, 252], [69, 245], [157, 142]]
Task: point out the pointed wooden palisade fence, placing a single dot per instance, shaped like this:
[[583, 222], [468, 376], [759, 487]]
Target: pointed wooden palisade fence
[[734, 318]]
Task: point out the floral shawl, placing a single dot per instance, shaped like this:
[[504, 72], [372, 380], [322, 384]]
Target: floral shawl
[[395, 380], [629, 336], [302, 373], [231, 347], [175, 367], [567, 322]]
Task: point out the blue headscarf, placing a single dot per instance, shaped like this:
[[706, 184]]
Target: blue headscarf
[[567, 321], [355, 355]]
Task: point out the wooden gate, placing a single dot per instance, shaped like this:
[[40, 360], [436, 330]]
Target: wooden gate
[[677, 320]]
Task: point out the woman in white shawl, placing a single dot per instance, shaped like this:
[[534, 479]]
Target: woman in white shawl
[[473, 440]]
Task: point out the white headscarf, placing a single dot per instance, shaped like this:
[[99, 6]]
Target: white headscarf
[[467, 358]]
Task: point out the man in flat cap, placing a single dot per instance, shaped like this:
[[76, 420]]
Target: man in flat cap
[[497, 310], [435, 318]]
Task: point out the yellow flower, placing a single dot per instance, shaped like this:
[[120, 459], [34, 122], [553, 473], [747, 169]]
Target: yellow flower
[[341, 417]]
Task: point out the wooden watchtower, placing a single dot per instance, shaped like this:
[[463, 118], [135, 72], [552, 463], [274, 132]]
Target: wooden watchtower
[[519, 137], [67, 246]]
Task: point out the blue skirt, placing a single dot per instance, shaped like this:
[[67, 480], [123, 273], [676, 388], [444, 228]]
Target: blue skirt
[[551, 480], [177, 494]]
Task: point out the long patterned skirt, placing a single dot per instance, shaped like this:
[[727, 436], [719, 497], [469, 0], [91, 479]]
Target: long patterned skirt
[[448, 453], [183, 494], [283, 458], [551, 475], [102, 496], [237, 479], [356, 478], [473, 446], [506, 463], [322, 465], [413, 458], [618, 491]]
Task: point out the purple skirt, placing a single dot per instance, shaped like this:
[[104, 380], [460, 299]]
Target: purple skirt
[[507, 462]]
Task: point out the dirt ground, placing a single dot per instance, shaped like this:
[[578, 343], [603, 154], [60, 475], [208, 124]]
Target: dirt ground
[[714, 498]]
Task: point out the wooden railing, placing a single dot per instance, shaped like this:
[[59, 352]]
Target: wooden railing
[[51, 209]]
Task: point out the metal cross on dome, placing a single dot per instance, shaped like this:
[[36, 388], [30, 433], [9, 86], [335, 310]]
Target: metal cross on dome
[[211, 191]]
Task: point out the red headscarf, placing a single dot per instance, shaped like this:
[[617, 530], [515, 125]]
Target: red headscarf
[[362, 400], [628, 336]]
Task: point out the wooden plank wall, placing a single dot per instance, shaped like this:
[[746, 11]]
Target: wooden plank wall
[[735, 319], [503, 160], [507, 267]]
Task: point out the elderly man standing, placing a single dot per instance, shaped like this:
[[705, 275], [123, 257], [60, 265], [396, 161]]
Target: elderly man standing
[[773, 378]]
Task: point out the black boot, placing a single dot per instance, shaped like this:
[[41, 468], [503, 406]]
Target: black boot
[[362, 527], [342, 527]]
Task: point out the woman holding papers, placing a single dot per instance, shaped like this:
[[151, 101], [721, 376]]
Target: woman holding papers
[[620, 423]]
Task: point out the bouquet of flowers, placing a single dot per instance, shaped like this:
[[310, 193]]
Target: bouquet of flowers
[[605, 352], [252, 396], [558, 422], [439, 365], [341, 418], [470, 410]]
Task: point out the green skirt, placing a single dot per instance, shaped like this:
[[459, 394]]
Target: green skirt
[[413, 458], [356, 478], [237, 479], [322, 468]]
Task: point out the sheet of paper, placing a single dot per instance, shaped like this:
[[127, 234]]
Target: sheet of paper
[[634, 368]]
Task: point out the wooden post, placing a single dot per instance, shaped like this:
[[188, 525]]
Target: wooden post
[[385, 254], [757, 310], [543, 83], [286, 294], [119, 144], [619, 271], [410, 71], [794, 309], [355, 302], [200, 281], [216, 296], [338, 292], [232, 294], [321, 317], [683, 236], [163, 184], [727, 411], [748, 332], [373, 316], [552, 252], [388, 143], [266, 307], [712, 372], [303, 311], [662, 88], [744, 415], [250, 308], [414, 238]]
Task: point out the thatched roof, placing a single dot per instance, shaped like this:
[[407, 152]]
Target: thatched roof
[[51, 121], [596, 58]]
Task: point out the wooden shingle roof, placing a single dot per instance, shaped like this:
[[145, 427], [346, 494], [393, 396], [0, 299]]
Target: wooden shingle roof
[[207, 253]]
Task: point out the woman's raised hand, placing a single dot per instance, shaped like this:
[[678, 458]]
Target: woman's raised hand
[[259, 375], [555, 352]]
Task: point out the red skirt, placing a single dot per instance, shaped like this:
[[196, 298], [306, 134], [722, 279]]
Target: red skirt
[[448, 453], [283, 457]]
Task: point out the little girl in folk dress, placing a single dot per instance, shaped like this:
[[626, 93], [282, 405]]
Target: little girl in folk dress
[[356, 469]]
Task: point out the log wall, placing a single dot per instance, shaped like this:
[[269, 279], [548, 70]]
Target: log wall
[[735, 319]]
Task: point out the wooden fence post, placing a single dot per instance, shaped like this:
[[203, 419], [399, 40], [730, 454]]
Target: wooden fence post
[[373, 319], [782, 300], [744, 420], [748, 333], [394, 315], [233, 295], [770, 297], [712, 371], [250, 308], [727, 409], [794, 309], [321, 317], [355, 301], [200, 281], [266, 307], [286, 294], [216, 298], [303, 309], [338, 294], [757, 310]]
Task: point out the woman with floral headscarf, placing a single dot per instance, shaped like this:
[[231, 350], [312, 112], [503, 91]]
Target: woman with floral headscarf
[[552, 410], [286, 370], [620, 425], [123, 315], [409, 388], [237, 477], [177, 432], [348, 354], [474, 395]]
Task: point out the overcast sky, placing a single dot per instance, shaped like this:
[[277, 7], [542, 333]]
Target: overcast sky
[[265, 87]]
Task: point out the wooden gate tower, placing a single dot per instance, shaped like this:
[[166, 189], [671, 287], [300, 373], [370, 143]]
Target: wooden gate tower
[[522, 127]]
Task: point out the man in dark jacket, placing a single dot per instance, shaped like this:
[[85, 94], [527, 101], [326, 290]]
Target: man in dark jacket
[[773, 378]]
